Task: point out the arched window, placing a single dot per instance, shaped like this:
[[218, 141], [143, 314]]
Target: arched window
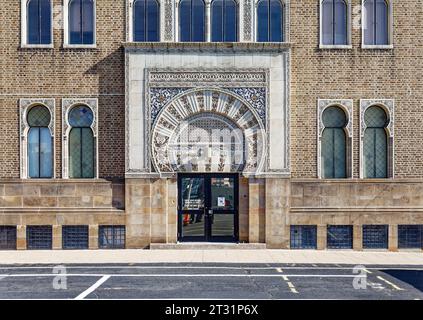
[[40, 143], [39, 22], [192, 21], [81, 143], [224, 17], [81, 22], [270, 21], [146, 20], [334, 146], [334, 22], [375, 25], [375, 143]]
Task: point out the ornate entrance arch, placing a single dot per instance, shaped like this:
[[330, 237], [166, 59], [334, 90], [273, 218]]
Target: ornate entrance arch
[[208, 130]]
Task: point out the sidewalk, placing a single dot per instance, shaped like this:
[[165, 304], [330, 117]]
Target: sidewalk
[[211, 256]]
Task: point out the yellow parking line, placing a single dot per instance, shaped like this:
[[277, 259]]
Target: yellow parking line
[[290, 284]]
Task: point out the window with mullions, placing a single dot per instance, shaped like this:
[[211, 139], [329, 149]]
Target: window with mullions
[[375, 25], [224, 17], [81, 143], [375, 143], [334, 22], [40, 143], [146, 20], [270, 21], [39, 22], [334, 146], [111, 237], [192, 21], [303, 237], [81, 22]]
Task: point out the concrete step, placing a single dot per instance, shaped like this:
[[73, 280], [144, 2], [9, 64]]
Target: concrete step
[[207, 246]]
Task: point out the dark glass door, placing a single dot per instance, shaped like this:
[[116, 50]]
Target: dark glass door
[[208, 207]]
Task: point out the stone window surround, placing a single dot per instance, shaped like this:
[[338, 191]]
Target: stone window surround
[[388, 105], [337, 46], [24, 106], [169, 17], [67, 105], [390, 45], [24, 26], [347, 106], [66, 43]]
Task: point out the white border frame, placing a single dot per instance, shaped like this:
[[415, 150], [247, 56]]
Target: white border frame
[[347, 106], [24, 27], [388, 105], [349, 36], [66, 43], [390, 45], [67, 105], [24, 106]]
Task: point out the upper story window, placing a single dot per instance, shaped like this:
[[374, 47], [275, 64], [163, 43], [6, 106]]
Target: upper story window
[[224, 17], [39, 22], [270, 21], [81, 22], [81, 143], [334, 22], [40, 143], [192, 22], [376, 23], [146, 21]]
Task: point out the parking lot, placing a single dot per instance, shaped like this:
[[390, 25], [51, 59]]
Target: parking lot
[[210, 281]]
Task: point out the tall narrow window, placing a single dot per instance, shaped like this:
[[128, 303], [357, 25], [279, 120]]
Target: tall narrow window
[[192, 21], [40, 143], [81, 22], [270, 21], [146, 20], [334, 144], [224, 17], [334, 22], [375, 146], [81, 143], [39, 22], [375, 25]]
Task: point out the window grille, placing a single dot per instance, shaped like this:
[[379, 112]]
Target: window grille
[[39, 237], [111, 237], [75, 237], [339, 237], [303, 237], [7, 238], [410, 236], [375, 236]]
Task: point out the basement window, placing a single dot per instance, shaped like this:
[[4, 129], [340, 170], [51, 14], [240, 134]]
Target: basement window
[[375, 236], [340, 237], [75, 237], [7, 238], [410, 236], [39, 237], [111, 237], [303, 237]]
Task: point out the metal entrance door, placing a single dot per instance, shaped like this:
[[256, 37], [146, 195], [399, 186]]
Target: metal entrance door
[[208, 207]]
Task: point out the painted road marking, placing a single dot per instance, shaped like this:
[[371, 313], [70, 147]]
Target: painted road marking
[[290, 285], [191, 275], [92, 288], [279, 270], [368, 271], [390, 283]]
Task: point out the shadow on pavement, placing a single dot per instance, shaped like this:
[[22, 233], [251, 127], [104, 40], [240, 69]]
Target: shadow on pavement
[[412, 277]]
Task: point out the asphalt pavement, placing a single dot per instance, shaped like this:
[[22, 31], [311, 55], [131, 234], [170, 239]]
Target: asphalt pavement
[[211, 281]]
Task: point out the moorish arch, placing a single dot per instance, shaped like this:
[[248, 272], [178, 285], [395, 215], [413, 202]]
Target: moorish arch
[[208, 130]]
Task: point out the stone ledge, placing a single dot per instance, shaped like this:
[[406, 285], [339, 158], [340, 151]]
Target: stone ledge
[[207, 246]]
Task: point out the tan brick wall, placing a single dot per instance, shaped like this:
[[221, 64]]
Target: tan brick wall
[[64, 73], [357, 74]]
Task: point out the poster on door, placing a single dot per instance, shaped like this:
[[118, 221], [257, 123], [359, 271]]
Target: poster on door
[[221, 201]]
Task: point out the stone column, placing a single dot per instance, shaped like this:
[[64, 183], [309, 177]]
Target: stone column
[[138, 212], [172, 211], [277, 211], [208, 21], [393, 237], [21, 237], [358, 237], [158, 211], [93, 236], [321, 237], [257, 210], [243, 209], [57, 237]]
